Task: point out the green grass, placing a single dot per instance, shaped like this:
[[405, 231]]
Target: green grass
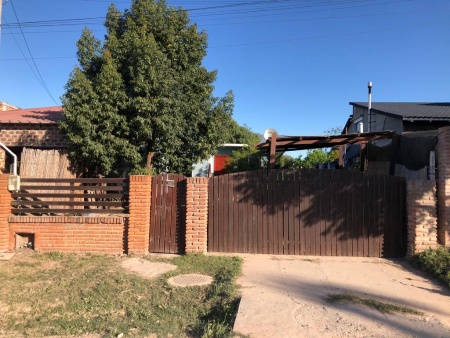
[[436, 263], [68, 294], [372, 303]]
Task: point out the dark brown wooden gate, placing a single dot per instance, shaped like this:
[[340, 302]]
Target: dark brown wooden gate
[[168, 213], [308, 212]]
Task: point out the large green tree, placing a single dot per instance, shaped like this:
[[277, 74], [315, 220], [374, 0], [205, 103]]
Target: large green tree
[[143, 90], [241, 134]]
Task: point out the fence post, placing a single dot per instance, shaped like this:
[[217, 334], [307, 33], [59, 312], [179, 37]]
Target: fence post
[[139, 219], [421, 216], [5, 210], [196, 214]]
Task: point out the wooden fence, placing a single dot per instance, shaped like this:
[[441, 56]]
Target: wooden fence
[[308, 212], [71, 196]]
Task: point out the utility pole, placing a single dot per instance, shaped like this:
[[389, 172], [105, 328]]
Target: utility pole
[[1, 6]]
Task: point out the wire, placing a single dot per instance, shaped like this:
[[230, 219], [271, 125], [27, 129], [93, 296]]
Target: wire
[[329, 3], [23, 54], [31, 56]]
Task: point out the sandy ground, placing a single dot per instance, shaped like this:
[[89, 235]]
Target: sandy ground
[[146, 268], [285, 296]]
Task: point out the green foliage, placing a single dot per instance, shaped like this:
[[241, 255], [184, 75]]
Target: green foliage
[[250, 158], [241, 134], [245, 159], [142, 171], [314, 157], [143, 90], [435, 262]]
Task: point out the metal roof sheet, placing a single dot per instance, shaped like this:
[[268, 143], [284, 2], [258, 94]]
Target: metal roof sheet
[[411, 110], [46, 115]]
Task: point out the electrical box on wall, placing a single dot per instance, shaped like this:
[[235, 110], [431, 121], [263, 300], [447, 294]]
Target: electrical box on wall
[[14, 183]]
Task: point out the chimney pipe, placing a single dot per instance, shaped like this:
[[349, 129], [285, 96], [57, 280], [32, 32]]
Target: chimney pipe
[[369, 113]]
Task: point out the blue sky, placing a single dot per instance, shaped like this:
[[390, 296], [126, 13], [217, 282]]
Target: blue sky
[[292, 65]]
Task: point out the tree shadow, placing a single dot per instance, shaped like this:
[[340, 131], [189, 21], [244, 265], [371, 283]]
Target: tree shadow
[[43, 116], [294, 285], [309, 211]]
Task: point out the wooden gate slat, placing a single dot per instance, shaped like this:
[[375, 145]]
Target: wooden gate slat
[[216, 209], [335, 184], [296, 211], [306, 211], [277, 209], [359, 221]]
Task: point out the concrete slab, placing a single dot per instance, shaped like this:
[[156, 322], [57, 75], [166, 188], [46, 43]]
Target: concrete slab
[[6, 256], [285, 296]]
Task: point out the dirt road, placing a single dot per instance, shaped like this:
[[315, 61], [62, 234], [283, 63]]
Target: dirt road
[[285, 296]]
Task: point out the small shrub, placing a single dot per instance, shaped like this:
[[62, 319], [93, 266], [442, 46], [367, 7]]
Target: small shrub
[[435, 262]]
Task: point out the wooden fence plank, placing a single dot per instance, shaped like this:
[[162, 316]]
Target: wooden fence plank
[[359, 215], [278, 205]]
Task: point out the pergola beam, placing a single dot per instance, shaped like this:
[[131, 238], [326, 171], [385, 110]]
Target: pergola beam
[[291, 143]]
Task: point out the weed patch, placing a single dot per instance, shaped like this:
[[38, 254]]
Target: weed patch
[[68, 294], [372, 303], [436, 263]]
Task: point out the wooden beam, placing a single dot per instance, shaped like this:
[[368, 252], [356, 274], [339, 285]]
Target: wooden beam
[[273, 149], [341, 156], [363, 156], [311, 142], [394, 148]]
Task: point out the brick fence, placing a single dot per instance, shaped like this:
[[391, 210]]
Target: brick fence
[[99, 234], [112, 234], [427, 224]]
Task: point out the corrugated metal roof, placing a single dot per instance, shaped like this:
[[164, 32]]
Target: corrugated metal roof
[[46, 115], [411, 110]]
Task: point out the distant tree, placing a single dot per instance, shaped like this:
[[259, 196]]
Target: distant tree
[[314, 157], [333, 131], [241, 134], [143, 91], [246, 159], [251, 158]]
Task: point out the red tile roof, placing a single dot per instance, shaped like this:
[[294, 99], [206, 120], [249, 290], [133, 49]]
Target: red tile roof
[[47, 115]]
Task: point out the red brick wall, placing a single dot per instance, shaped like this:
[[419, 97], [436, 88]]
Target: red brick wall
[[139, 225], [71, 234], [5, 207], [196, 214], [443, 185], [422, 216], [112, 235], [31, 135]]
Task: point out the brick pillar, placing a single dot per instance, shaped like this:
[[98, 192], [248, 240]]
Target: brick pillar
[[443, 185], [196, 214], [2, 160], [5, 211], [139, 219], [422, 217]]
